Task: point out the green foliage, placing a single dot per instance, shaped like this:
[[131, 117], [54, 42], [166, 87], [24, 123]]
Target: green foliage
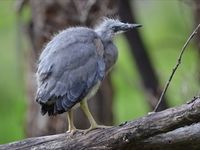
[[166, 28], [12, 99], [166, 25]]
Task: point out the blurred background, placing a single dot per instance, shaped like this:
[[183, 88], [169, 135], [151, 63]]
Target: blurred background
[[146, 59]]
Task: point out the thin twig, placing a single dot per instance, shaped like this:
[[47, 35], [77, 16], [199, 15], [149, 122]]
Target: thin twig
[[176, 66]]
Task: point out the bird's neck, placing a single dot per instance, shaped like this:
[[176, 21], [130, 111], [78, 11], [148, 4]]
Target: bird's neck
[[110, 50], [105, 35], [110, 55]]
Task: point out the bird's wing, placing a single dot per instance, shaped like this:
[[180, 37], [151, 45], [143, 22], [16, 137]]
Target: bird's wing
[[66, 75]]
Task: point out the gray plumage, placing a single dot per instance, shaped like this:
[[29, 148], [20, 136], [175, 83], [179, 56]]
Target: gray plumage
[[73, 63]]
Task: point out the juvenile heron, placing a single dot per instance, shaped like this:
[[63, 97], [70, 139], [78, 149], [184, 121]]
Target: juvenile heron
[[73, 65]]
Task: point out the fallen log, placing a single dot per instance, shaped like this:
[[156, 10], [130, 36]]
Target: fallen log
[[174, 128]]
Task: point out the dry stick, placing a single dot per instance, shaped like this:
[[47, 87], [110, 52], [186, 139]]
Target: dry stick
[[176, 66]]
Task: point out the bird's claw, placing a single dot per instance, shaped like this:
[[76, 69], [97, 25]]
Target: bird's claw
[[71, 132], [96, 127], [75, 131]]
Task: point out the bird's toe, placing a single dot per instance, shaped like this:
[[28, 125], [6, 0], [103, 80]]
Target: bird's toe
[[72, 131], [96, 127]]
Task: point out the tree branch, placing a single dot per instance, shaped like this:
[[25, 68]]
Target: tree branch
[[187, 137], [176, 127], [177, 65]]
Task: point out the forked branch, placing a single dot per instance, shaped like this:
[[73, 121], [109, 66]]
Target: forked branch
[[176, 66]]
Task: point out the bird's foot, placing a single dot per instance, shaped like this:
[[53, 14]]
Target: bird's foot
[[74, 131], [71, 132], [96, 127]]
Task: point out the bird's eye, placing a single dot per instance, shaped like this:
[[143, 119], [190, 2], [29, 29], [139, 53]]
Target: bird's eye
[[115, 28]]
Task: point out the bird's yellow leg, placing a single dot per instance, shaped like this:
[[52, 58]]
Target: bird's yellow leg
[[71, 128], [94, 125]]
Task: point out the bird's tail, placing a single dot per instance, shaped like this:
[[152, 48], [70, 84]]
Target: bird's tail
[[47, 109], [52, 107]]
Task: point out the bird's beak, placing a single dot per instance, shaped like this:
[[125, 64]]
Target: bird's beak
[[123, 27], [136, 25], [128, 26]]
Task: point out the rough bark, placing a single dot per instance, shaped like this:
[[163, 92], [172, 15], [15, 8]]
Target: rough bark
[[48, 17], [141, 57], [175, 128]]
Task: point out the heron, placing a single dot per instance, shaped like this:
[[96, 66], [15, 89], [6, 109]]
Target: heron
[[73, 64]]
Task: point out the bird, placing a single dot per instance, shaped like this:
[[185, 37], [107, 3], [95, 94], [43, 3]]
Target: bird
[[73, 64]]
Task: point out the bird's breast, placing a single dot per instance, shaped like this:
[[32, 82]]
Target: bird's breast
[[110, 55]]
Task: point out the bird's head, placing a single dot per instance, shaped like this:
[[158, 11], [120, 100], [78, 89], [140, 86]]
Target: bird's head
[[110, 27]]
